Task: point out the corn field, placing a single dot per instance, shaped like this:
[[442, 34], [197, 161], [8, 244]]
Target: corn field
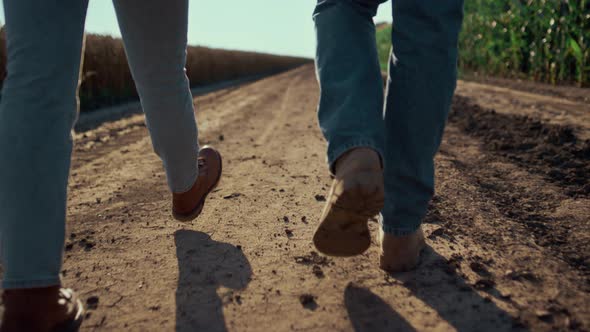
[[543, 40], [106, 78]]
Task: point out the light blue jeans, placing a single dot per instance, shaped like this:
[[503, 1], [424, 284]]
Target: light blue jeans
[[406, 126], [39, 107]]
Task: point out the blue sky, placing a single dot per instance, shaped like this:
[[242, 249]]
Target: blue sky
[[272, 26]]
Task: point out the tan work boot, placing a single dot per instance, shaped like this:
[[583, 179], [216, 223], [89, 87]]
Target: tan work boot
[[49, 309], [357, 195], [400, 253], [188, 205]]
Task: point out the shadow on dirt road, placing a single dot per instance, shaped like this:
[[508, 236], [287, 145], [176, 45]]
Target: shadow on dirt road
[[438, 290], [204, 266], [443, 288], [368, 312]]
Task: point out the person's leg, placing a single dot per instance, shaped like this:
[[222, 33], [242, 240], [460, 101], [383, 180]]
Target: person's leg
[[37, 111], [419, 93], [155, 37], [350, 114], [350, 109]]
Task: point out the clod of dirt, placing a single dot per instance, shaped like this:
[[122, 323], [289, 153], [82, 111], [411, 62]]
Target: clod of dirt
[[317, 271], [505, 294], [92, 302], [437, 232], [87, 245], [221, 138], [320, 198], [521, 275], [456, 257], [484, 284], [544, 315], [289, 233], [479, 268], [69, 246], [286, 219], [453, 264], [312, 259], [308, 301], [234, 195], [304, 219]]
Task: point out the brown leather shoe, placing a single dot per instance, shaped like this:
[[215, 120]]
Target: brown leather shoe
[[400, 253], [50, 309], [357, 195], [188, 205]]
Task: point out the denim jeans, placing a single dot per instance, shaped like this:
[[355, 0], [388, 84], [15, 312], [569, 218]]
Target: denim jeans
[[405, 127], [39, 107]]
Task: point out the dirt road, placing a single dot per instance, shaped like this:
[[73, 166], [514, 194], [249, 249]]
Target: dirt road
[[508, 229]]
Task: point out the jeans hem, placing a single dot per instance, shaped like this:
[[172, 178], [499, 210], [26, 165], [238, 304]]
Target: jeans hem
[[31, 283], [349, 145], [398, 231]]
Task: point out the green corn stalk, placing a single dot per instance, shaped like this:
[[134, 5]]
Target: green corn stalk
[[545, 40], [581, 57]]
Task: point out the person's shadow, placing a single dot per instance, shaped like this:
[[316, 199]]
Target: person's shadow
[[439, 287], [204, 266], [368, 312]]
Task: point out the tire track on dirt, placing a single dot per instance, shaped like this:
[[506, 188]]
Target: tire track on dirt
[[551, 152], [556, 110], [488, 201]]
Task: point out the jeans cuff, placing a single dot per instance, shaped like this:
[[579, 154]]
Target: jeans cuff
[[31, 283], [398, 230], [351, 144]]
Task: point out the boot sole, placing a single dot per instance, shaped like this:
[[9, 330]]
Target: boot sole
[[344, 230]]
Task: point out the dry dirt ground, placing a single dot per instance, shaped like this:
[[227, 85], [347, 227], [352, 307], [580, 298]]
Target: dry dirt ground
[[508, 230]]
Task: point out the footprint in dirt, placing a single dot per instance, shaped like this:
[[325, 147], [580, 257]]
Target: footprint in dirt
[[204, 266]]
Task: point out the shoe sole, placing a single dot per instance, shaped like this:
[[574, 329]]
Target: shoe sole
[[197, 210], [344, 230]]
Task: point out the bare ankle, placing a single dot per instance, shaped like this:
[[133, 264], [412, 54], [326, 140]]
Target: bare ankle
[[360, 157], [401, 253]]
